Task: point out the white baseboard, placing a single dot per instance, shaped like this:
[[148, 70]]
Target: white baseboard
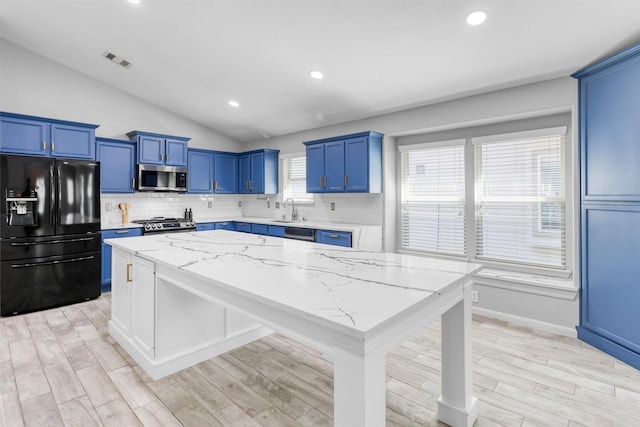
[[526, 322]]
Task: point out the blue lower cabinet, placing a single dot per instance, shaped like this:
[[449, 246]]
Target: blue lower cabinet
[[259, 229], [203, 226], [243, 227], [227, 225], [275, 230], [336, 238], [106, 252]]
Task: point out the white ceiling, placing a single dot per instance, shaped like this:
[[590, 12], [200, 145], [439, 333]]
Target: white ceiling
[[378, 56]]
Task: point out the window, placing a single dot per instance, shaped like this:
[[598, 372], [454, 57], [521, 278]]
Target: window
[[520, 200], [514, 212], [294, 179], [433, 198]]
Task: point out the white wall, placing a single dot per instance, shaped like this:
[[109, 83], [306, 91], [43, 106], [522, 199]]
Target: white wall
[[542, 309], [34, 85]]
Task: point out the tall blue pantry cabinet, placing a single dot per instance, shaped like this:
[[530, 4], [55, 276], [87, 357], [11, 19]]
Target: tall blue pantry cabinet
[[610, 205]]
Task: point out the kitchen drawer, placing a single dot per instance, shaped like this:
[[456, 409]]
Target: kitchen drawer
[[275, 230], [259, 229], [243, 227], [121, 232], [205, 226], [337, 238], [227, 225]]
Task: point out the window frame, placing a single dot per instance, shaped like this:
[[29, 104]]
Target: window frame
[[283, 158], [561, 122]]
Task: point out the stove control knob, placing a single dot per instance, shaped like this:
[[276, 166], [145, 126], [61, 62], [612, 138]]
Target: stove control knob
[[147, 227]]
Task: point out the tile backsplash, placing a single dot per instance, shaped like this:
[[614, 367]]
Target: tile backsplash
[[365, 209]]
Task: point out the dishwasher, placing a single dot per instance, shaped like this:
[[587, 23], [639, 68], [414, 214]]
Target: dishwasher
[[300, 233]]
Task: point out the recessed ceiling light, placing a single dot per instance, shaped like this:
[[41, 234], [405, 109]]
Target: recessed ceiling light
[[477, 17], [134, 1], [316, 75], [234, 103]]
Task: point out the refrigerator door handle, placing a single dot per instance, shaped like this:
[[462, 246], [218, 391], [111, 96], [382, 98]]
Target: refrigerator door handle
[[59, 191], [63, 261], [52, 194], [53, 242]]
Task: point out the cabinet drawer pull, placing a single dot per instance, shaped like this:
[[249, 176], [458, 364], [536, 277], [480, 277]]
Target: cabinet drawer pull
[[122, 232], [334, 236], [129, 278]]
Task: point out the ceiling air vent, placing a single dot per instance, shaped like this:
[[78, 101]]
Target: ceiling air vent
[[116, 59]]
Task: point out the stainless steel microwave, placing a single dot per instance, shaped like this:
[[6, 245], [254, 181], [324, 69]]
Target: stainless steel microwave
[[162, 178]]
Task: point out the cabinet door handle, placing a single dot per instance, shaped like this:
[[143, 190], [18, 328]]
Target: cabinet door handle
[[133, 183], [167, 157], [345, 181], [321, 181], [129, 278], [53, 146], [161, 156], [44, 145], [325, 181], [215, 186], [211, 187]]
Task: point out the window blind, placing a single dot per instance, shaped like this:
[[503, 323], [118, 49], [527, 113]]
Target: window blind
[[433, 198], [520, 200], [294, 173]]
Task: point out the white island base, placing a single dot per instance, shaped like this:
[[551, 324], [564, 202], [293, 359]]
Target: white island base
[[177, 301]]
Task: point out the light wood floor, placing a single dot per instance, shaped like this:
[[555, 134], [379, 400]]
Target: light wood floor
[[60, 367]]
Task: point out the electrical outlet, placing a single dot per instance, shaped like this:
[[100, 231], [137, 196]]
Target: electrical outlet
[[277, 205], [474, 296], [268, 204], [108, 207], [333, 206], [209, 204], [239, 203]]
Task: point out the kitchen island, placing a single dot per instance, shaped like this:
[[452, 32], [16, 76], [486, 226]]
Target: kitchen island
[[181, 298]]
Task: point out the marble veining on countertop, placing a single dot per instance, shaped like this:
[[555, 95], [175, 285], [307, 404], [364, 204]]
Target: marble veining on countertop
[[354, 289]]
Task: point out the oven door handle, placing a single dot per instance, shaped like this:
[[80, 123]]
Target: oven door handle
[[53, 242], [62, 261]]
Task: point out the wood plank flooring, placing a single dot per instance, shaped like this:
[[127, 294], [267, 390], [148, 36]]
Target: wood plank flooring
[[60, 367]]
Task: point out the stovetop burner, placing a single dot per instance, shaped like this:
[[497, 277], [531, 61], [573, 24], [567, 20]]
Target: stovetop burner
[[160, 224]]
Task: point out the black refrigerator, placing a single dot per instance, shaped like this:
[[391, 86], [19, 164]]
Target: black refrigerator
[[49, 232]]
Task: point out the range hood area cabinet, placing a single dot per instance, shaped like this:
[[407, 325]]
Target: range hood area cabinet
[[259, 172], [345, 164], [212, 172], [609, 97], [157, 149], [118, 165], [38, 136]]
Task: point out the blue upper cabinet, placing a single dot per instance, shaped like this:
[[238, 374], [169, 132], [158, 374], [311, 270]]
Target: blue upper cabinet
[[37, 136], [117, 165], [609, 99], [225, 171], [258, 172], [212, 172], [200, 171], [609, 114], [349, 163], [157, 149]]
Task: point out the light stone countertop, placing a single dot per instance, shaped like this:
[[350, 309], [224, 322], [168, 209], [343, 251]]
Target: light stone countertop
[[120, 226], [344, 289]]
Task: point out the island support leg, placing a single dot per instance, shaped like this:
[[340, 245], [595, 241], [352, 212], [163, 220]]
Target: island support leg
[[358, 389], [457, 406]]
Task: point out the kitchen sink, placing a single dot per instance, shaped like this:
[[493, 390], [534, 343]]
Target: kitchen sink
[[287, 221]]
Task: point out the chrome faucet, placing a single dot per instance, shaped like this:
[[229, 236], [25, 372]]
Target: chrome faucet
[[294, 214]]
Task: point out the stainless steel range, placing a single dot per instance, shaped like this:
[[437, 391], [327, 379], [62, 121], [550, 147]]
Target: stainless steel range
[[166, 225]]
